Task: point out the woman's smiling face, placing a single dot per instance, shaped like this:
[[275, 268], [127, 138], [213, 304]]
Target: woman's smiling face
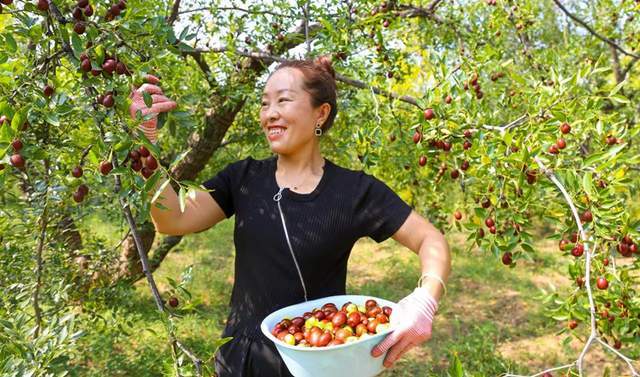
[[287, 115]]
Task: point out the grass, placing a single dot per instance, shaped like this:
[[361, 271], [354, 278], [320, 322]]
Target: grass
[[491, 318]]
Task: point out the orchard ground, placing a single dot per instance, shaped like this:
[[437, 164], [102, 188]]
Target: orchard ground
[[492, 316]]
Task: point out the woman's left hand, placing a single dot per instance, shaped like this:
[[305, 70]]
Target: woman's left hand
[[411, 321]]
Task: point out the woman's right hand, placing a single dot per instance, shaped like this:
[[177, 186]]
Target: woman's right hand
[[160, 104]]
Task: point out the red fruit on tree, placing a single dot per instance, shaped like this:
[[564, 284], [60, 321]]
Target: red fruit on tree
[[144, 152], [561, 143], [48, 90], [611, 140], [623, 249], [82, 3], [77, 14], [480, 232], [84, 189], [580, 281], [17, 160], [577, 250], [446, 146], [467, 133], [77, 172], [572, 324], [464, 165], [173, 302], [108, 101], [489, 222], [43, 5], [586, 216], [122, 4], [574, 237], [429, 114], [507, 258], [466, 145], [85, 65], [106, 167], [565, 128], [417, 136], [448, 99], [115, 10], [146, 172], [17, 145], [136, 165], [109, 65], [151, 163], [79, 27], [617, 344], [627, 239], [422, 161], [602, 283], [457, 215], [134, 155], [553, 149], [88, 11], [486, 203], [633, 248], [492, 230], [455, 173], [605, 261], [121, 69], [563, 244], [78, 197]]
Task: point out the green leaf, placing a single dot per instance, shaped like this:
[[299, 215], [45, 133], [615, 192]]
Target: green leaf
[[148, 100], [587, 185], [160, 190], [617, 88], [619, 98], [52, 119], [11, 43], [181, 198], [76, 44]]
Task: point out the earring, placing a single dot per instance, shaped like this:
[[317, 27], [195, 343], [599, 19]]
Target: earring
[[318, 130]]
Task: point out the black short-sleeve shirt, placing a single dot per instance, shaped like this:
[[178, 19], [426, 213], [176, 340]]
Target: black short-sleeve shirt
[[323, 226]]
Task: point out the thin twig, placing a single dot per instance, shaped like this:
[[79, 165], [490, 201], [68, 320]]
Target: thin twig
[[595, 33]]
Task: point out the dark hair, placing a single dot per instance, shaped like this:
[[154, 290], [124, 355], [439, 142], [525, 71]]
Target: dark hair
[[319, 82]]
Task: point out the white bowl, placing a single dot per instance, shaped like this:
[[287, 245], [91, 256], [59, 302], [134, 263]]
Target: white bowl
[[344, 360]]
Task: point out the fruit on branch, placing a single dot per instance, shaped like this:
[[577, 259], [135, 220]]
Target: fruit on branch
[[151, 163], [105, 167], [82, 3], [121, 68], [144, 152], [486, 204], [563, 244], [572, 324], [77, 14], [84, 189], [17, 160], [553, 149], [611, 140], [586, 216], [507, 258], [417, 136], [79, 27], [465, 165], [457, 215], [429, 114], [577, 250], [455, 173], [602, 283], [48, 90], [565, 128], [448, 99], [85, 65], [422, 161], [136, 165], [109, 65], [492, 230], [173, 302], [146, 172], [43, 5], [77, 172], [88, 11], [17, 145], [108, 100], [466, 145], [134, 155]]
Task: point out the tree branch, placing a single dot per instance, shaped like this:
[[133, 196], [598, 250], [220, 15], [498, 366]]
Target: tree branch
[[595, 33], [174, 12], [236, 9]]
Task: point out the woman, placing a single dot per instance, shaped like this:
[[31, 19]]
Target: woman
[[297, 217]]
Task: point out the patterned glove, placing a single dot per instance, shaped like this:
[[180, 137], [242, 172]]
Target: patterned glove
[[411, 321], [160, 104]]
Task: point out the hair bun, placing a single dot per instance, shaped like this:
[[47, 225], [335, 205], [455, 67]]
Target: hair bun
[[324, 63]]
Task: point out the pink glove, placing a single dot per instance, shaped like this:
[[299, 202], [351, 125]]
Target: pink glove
[[411, 321], [160, 104]]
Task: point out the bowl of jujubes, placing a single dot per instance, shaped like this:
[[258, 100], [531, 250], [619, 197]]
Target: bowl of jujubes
[[331, 336]]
